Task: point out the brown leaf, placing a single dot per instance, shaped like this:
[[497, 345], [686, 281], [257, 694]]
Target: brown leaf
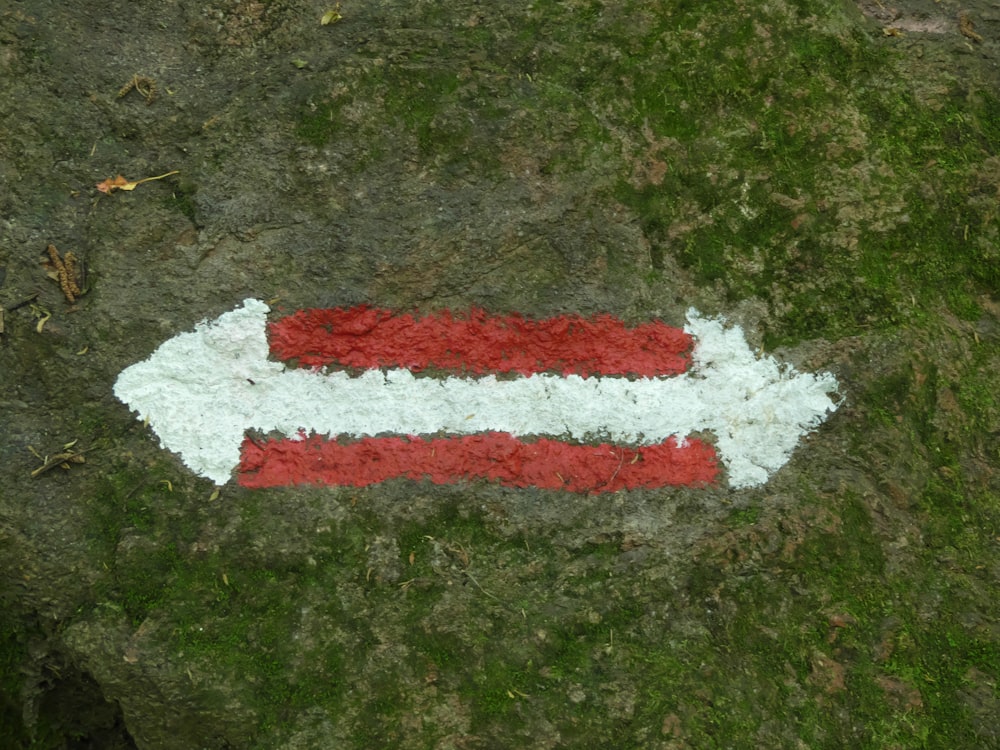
[[120, 183], [112, 183]]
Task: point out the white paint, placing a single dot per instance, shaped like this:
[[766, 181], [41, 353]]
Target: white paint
[[197, 394]]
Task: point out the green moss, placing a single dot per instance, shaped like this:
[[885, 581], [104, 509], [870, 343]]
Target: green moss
[[13, 655], [497, 687], [745, 516], [248, 636], [758, 631], [320, 124], [757, 107], [182, 199]]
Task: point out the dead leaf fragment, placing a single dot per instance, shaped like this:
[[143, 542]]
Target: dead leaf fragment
[[43, 316], [66, 273], [111, 184], [118, 182], [967, 28], [62, 460], [331, 16], [144, 85]]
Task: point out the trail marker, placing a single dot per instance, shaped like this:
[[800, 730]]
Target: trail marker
[[583, 404]]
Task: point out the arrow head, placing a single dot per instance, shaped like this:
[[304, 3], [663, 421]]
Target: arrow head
[[193, 390], [760, 408]]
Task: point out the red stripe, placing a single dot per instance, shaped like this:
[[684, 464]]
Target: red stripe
[[547, 464], [474, 342]]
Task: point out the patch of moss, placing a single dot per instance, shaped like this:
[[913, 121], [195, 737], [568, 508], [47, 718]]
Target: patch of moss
[[249, 634], [13, 655], [320, 124], [182, 199]]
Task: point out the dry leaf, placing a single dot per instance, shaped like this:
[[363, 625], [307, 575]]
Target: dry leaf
[[111, 184], [331, 16], [62, 460], [120, 183], [967, 28], [65, 273]]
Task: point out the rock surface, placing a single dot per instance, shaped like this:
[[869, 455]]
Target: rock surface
[[785, 164]]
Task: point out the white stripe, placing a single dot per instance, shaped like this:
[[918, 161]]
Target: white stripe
[[196, 390]]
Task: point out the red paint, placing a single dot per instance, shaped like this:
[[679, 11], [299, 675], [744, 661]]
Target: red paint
[[474, 342], [500, 457]]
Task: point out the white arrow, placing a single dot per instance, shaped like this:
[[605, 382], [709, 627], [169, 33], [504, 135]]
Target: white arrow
[[201, 391]]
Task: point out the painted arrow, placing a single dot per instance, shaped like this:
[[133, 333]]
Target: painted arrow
[[528, 406]]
